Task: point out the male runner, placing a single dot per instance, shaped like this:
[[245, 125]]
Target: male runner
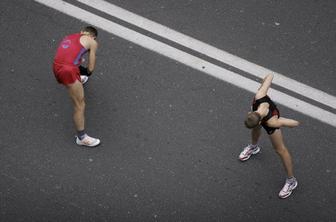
[[266, 114], [69, 72]]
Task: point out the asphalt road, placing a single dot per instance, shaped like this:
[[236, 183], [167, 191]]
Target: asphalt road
[[170, 134]]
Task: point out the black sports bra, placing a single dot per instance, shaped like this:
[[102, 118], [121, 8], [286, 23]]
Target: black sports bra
[[272, 110]]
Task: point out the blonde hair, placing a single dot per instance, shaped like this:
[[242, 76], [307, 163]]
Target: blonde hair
[[252, 120]]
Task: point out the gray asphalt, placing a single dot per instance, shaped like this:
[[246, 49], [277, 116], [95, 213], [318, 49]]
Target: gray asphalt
[[170, 134]]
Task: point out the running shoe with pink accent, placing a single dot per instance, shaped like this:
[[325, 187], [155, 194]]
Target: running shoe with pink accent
[[87, 141], [248, 152], [288, 188]]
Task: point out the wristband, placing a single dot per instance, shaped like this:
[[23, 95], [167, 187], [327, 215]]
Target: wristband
[[84, 71]]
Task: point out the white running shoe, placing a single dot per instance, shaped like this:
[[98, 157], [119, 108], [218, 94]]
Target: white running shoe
[[288, 188], [248, 152], [84, 79], [87, 141]]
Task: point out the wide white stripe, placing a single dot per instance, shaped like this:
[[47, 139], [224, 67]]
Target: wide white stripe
[[189, 60], [211, 51]]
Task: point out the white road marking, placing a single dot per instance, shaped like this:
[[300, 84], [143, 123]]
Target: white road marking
[[189, 60], [211, 51]]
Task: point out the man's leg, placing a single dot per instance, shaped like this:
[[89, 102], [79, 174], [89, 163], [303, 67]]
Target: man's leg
[[76, 93]]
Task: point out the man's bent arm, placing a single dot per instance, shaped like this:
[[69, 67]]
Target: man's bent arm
[[92, 56]]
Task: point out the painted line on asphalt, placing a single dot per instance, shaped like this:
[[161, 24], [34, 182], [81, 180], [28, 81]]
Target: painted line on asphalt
[[210, 51], [189, 60]]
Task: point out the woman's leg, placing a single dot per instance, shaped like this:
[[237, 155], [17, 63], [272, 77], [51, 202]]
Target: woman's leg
[[282, 151]]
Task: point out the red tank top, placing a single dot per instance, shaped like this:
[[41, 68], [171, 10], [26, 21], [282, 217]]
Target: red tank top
[[70, 51]]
